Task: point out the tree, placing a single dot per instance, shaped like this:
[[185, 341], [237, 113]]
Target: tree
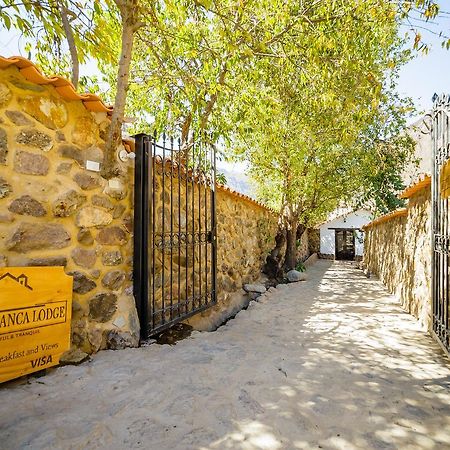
[[303, 120]]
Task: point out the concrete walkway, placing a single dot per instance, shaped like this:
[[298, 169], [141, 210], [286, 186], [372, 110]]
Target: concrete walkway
[[330, 363]]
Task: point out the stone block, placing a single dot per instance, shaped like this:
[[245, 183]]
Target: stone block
[[3, 146], [102, 202], [5, 188], [119, 340], [84, 257], [112, 236], [48, 261], [112, 258], [74, 356], [113, 279], [49, 111], [35, 138], [90, 216], [72, 152], [64, 168], [102, 307], [18, 118], [85, 131], [5, 95], [68, 203], [85, 237], [87, 181], [38, 236], [81, 283], [27, 206], [31, 164]]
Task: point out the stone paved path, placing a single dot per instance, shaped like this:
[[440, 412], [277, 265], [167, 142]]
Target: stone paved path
[[330, 363]]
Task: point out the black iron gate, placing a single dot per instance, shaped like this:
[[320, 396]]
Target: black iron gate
[[440, 130], [175, 246]]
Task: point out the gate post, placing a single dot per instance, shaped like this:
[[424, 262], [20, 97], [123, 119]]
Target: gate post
[[140, 236]]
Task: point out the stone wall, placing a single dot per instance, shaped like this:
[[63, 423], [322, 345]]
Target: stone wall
[[55, 212], [398, 251], [245, 235]]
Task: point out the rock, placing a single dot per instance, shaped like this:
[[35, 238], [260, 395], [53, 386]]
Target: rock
[[113, 279], [31, 164], [5, 188], [102, 202], [68, 203], [84, 257], [3, 261], [64, 168], [128, 223], [3, 146], [73, 356], [24, 86], [34, 138], [87, 181], [76, 307], [38, 236], [295, 275], [112, 236], [51, 112], [72, 152], [18, 118], [48, 261], [81, 283], [116, 189], [85, 131], [27, 206], [119, 340], [254, 295], [102, 307], [94, 153], [85, 237], [90, 216], [113, 258], [5, 95], [97, 339], [118, 211], [260, 288], [95, 273]]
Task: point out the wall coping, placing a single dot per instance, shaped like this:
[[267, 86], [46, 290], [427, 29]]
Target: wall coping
[[423, 182], [397, 213], [62, 86], [235, 193]]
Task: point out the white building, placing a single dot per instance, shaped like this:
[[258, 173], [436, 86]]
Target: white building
[[342, 237]]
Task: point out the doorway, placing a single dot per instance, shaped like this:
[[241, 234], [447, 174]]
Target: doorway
[[345, 245]]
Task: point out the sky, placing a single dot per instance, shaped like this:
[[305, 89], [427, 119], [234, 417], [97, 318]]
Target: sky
[[419, 79]]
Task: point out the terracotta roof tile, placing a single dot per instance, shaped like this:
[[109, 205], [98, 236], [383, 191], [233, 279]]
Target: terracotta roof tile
[[397, 213], [64, 87], [422, 182]]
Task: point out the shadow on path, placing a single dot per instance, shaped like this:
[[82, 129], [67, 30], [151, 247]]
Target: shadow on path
[[328, 363]]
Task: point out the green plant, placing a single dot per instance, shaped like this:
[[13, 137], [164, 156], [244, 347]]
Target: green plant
[[300, 267]]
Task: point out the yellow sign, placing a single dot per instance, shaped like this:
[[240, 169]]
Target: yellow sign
[[35, 313]]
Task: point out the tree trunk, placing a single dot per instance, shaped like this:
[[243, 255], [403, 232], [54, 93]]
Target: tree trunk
[[71, 42], [129, 14], [290, 259], [272, 267]]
